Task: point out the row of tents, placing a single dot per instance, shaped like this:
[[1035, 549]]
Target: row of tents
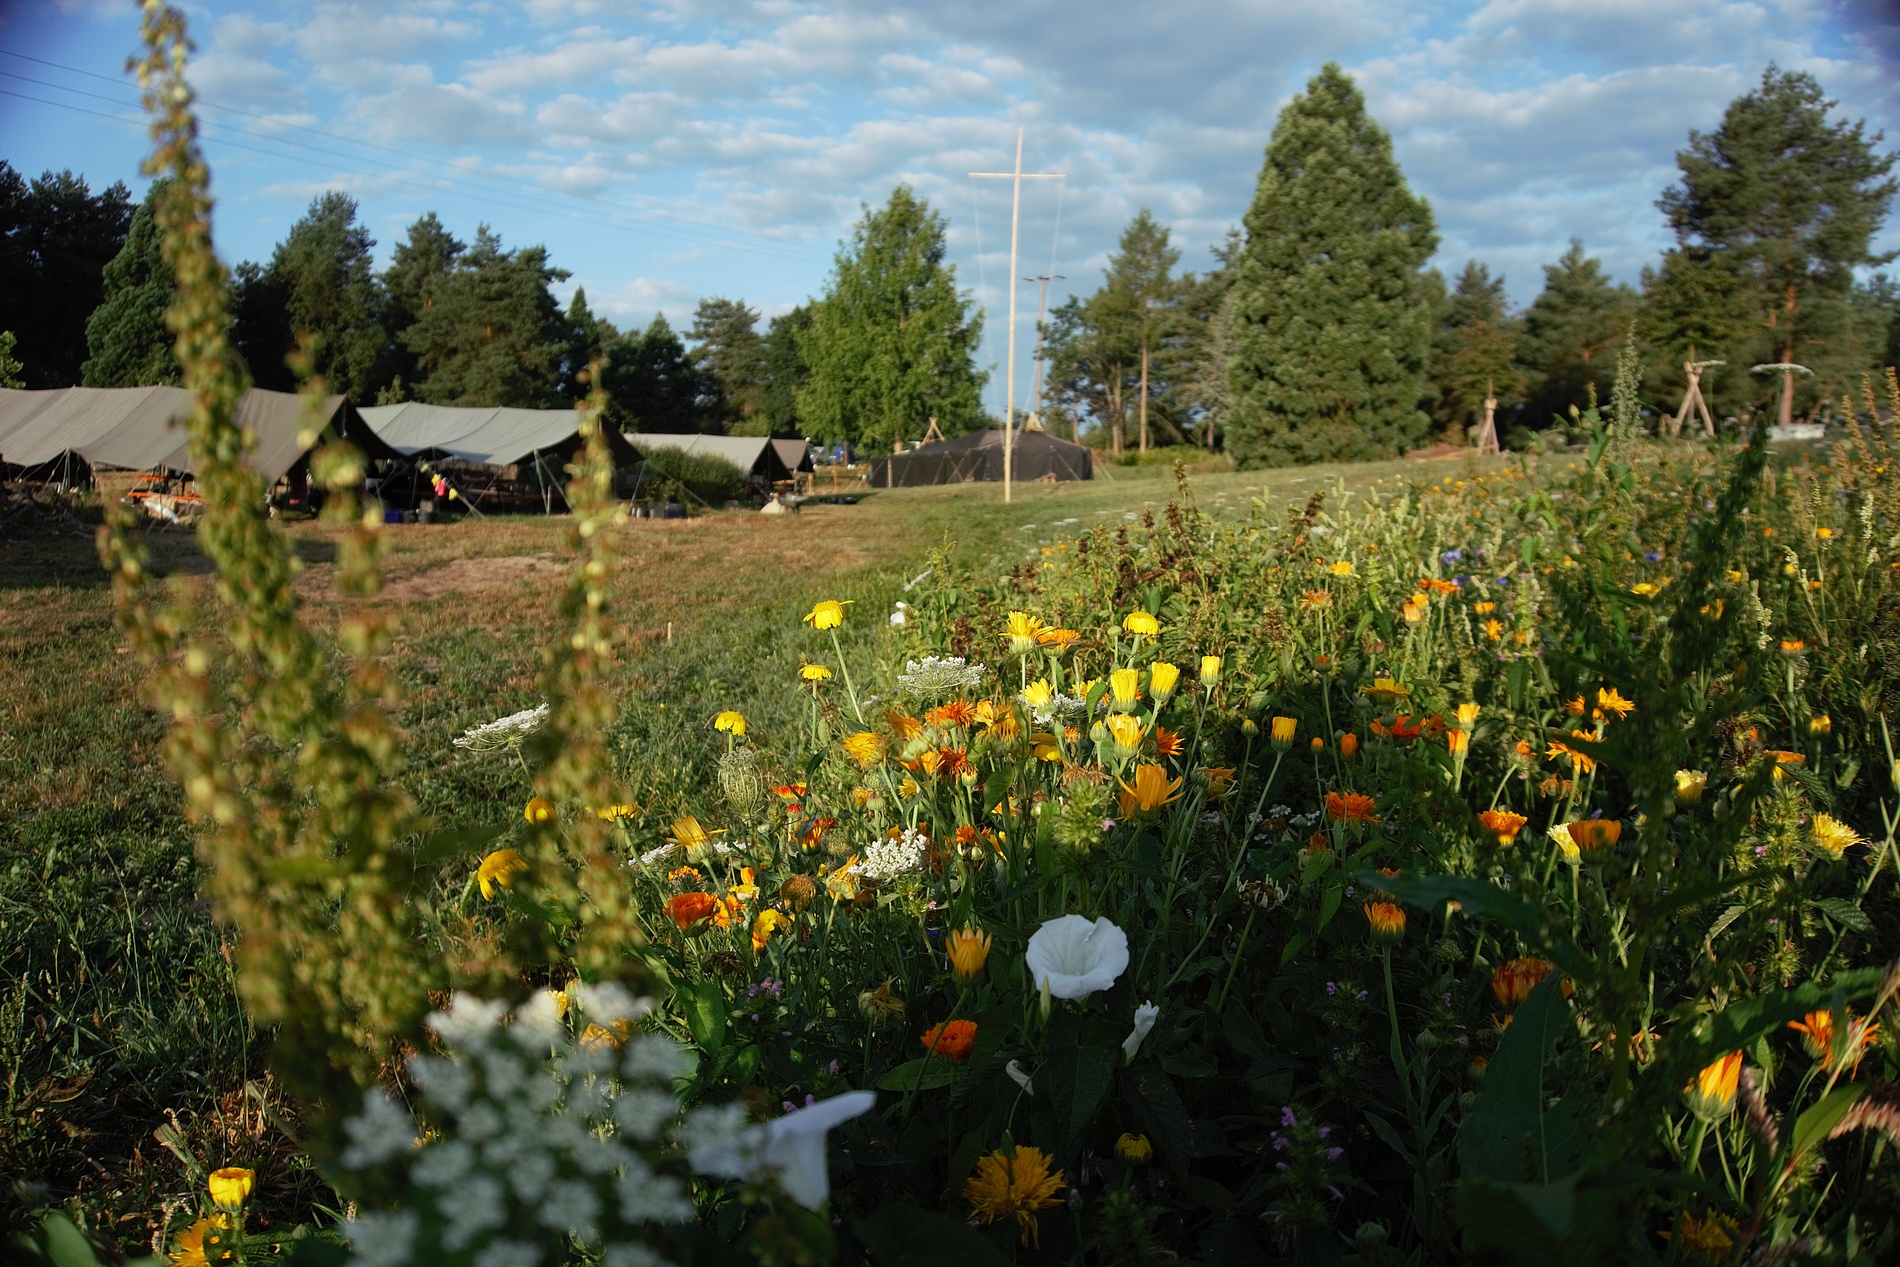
[[504, 453], [500, 456]]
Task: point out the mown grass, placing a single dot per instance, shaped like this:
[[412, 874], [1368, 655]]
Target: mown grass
[[119, 1017]]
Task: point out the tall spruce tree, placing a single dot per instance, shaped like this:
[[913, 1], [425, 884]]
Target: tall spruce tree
[[428, 252], [590, 338], [1474, 350], [56, 237], [1332, 325], [730, 356], [319, 286], [1783, 203], [126, 339], [890, 344], [489, 331], [1572, 333], [652, 385], [785, 371]]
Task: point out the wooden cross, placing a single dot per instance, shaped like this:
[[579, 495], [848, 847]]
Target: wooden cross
[[1488, 433], [1692, 399]]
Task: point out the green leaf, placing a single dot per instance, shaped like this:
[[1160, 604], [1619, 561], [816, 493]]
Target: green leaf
[[705, 1009], [1079, 1089], [904, 1236], [1510, 1135], [1480, 899], [926, 1073], [1329, 905], [1737, 1026], [1529, 1219], [1845, 913], [1823, 1116], [745, 1066], [66, 1245], [459, 840]]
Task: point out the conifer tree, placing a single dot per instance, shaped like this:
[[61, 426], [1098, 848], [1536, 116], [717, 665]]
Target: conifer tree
[[730, 357], [652, 384], [126, 339], [1781, 204], [320, 286], [56, 237], [1473, 350], [429, 251], [1139, 292], [1572, 332], [1332, 326], [785, 371], [489, 331], [890, 343], [1205, 324], [590, 338]]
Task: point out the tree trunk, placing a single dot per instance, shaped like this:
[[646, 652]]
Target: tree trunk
[[1143, 405]]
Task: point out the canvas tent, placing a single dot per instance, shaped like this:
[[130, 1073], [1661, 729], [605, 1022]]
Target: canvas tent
[[482, 436], [142, 428], [753, 455], [796, 454], [1035, 455]]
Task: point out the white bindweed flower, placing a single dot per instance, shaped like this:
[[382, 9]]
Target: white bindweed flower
[[1144, 1022], [1021, 1079], [795, 1144], [1072, 957]]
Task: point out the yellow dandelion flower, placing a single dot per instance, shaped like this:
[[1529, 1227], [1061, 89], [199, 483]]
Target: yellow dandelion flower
[[1006, 1186]]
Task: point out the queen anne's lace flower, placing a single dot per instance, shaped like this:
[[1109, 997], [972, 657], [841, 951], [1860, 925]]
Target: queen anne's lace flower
[[894, 856], [934, 675], [504, 734]]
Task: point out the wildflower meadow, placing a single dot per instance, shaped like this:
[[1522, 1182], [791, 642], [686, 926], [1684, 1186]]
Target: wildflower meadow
[[1495, 869]]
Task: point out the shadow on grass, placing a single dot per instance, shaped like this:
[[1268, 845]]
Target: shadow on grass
[[71, 562]]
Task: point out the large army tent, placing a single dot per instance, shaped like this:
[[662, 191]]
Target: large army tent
[[753, 455], [484, 436], [796, 454], [142, 428], [1035, 455]]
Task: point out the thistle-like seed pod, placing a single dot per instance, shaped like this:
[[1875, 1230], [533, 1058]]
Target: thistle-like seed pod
[[739, 780]]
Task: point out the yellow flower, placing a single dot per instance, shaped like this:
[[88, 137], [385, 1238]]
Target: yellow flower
[[1820, 1040], [539, 810], [865, 748], [689, 835], [1690, 784], [1045, 747], [841, 883], [1608, 701], [1711, 1238], [1793, 647], [614, 813], [499, 868], [1820, 724], [1210, 670], [1387, 921], [1485, 608], [1341, 568], [1141, 623], [1467, 715], [815, 673], [1134, 1150], [768, 923], [1022, 630], [1711, 1094], [1151, 790], [1037, 694], [1458, 741], [1413, 613], [1824, 533], [881, 1004], [1127, 733], [1387, 690], [1018, 1185], [1057, 640], [969, 949], [1162, 677], [1832, 836], [1282, 730], [1735, 577], [188, 1249], [1494, 629], [730, 721], [1566, 844], [1125, 686], [1646, 588], [230, 1186], [827, 615]]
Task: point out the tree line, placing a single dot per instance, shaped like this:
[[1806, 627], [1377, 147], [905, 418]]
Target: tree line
[[1318, 332]]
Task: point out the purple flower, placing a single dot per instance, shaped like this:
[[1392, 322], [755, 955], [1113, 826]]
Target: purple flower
[[1654, 556], [1450, 557], [832, 1068], [1332, 988], [1361, 996], [1108, 824], [1335, 1153], [1288, 1117]]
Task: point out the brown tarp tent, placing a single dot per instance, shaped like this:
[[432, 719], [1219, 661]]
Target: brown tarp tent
[[142, 428], [1035, 455]]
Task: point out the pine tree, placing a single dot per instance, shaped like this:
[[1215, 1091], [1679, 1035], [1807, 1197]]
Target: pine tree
[[785, 371], [126, 339], [489, 331], [1474, 350], [1138, 293], [56, 237], [429, 252], [890, 344], [319, 286], [1783, 204], [652, 384], [1332, 328], [590, 338], [1572, 332], [730, 357]]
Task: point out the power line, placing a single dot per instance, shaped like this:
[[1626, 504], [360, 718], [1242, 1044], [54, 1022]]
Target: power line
[[472, 188]]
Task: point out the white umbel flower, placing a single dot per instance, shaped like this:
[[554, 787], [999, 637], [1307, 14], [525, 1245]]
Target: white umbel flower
[[504, 734], [894, 856]]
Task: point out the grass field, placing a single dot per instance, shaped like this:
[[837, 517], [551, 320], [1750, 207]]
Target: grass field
[[119, 1018]]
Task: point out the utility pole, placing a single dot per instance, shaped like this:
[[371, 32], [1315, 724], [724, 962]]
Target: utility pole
[[1015, 219], [1042, 308]]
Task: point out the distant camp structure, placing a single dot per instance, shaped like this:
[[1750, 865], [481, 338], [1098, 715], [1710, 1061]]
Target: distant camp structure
[[1035, 456], [493, 458], [761, 459], [66, 435]]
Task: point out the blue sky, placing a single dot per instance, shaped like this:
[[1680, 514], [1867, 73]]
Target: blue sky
[[670, 149]]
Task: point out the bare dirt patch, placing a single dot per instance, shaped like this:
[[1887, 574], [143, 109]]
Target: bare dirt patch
[[475, 576]]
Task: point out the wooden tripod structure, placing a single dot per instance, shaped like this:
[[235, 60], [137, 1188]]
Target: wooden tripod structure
[[1692, 399], [1488, 432]]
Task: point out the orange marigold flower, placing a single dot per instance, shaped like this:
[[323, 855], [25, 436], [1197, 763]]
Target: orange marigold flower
[[865, 748], [1014, 1185], [1578, 760], [1350, 807], [689, 909], [1513, 981], [1711, 1093], [1819, 1038], [1574, 707], [790, 791], [1387, 920], [1502, 823], [1404, 729], [812, 831], [956, 713], [952, 1039], [903, 724], [1592, 834], [683, 875], [1057, 640], [1220, 780], [1349, 745], [1168, 743]]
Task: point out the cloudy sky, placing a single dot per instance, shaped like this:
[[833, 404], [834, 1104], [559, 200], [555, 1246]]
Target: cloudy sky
[[665, 150]]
